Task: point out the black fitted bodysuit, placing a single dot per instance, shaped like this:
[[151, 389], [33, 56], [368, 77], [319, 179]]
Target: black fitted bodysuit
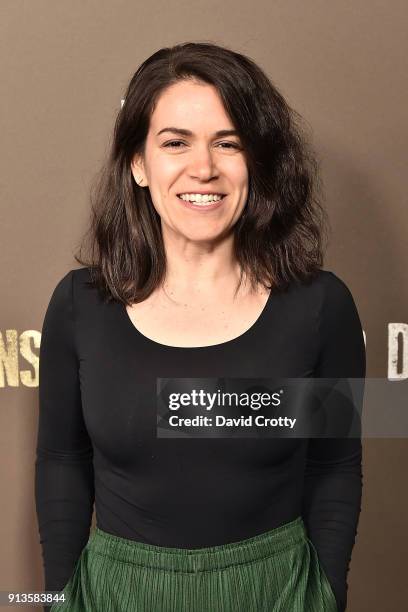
[[97, 431]]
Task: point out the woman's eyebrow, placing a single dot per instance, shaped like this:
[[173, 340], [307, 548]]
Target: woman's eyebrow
[[184, 132]]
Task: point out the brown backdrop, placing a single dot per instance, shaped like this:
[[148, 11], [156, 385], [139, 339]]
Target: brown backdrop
[[342, 65]]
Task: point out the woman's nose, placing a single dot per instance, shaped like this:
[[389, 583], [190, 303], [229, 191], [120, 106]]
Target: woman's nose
[[202, 164]]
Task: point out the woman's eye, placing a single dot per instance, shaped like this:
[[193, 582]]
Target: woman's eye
[[173, 144], [230, 144]]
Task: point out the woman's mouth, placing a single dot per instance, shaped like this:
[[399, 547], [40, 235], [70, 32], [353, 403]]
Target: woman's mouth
[[201, 204]]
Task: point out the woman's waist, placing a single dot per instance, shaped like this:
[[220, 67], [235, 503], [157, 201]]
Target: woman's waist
[[191, 551]]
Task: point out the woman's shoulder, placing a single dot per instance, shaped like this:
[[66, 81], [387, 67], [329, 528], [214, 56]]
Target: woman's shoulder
[[336, 304], [77, 276], [327, 285], [335, 289], [325, 296], [73, 287], [82, 277], [74, 275]]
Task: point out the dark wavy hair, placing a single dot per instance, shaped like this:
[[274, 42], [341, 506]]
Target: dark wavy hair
[[279, 236]]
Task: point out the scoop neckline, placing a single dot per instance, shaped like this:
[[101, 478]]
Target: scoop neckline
[[256, 325]]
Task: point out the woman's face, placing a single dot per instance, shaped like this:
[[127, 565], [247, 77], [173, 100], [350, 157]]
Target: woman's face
[[199, 160]]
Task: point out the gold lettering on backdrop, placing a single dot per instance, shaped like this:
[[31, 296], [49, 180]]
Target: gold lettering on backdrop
[[9, 359], [397, 351], [29, 378], [10, 347]]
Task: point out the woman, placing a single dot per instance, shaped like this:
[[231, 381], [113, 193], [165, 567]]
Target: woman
[[177, 286]]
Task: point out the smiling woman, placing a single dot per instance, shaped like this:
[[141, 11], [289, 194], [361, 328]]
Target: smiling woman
[[201, 118], [201, 164], [204, 260]]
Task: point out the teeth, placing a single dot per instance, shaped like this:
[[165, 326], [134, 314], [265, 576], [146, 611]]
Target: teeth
[[200, 198]]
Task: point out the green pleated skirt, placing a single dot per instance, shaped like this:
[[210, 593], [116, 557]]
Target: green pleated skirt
[[275, 571]]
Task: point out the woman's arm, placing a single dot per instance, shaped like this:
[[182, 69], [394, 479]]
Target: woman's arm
[[333, 476], [64, 479]]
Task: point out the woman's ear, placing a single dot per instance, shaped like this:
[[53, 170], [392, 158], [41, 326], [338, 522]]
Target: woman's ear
[[138, 172]]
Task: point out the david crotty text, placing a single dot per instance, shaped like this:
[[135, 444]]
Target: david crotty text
[[221, 421]]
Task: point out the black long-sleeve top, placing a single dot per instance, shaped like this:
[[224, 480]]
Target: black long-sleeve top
[[97, 431]]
